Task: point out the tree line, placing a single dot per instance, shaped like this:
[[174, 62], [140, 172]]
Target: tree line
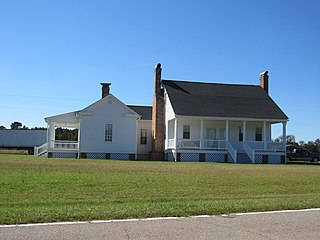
[[312, 146], [61, 133]]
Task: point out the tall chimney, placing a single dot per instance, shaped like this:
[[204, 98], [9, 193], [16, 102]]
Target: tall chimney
[[157, 152], [105, 89], [264, 81]]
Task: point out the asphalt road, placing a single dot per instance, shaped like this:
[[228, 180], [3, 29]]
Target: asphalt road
[[276, 225]]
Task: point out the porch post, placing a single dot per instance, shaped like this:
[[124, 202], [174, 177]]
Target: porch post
[[175, 133], [284, 137], [201, 135], [52, 135], [265, 135], [227, 130], [244, 131], [166, 125]]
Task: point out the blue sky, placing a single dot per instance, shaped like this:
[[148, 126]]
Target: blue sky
[[54, 54]]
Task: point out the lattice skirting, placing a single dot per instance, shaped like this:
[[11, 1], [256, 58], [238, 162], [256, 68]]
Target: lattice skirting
[[96, 155], [189, 157], [119, 156], [215, 157], [258, 159], [63, 155]]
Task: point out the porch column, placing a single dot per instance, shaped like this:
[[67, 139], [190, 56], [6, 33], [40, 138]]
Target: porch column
[[244, 131], [167, 134], [201, 135], [227, 130], [52, 135], [265, 135], [175, 133], [284, 136]]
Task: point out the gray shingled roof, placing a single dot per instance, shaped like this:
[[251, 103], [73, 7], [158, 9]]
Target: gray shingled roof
[[221, 100], [144, 111]]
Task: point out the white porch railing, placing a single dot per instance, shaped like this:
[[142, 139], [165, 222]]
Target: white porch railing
[[270, 146], [275, 146], [231, 151], [65, 145], [188, 144], [214, 144], [41, 150], [249, 151]]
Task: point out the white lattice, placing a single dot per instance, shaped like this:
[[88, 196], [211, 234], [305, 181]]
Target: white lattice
[[64, 155], [96, 155], [258, 159], [189, 157], [214, 157], [119, 156]]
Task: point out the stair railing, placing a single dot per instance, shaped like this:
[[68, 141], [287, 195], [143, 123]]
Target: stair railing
[[249, 151], [231, 151]]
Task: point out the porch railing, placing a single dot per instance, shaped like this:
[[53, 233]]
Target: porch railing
[[249, 151], [41, 150], [231, 151], [270, 146], [214, 144], [65, 145], [188, 144]]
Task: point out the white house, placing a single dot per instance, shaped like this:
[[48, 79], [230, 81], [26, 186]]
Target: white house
[[190, 121], [107, 129]]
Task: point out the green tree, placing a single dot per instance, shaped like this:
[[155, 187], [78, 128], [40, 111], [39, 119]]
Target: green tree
[[16, 125], [2, 127]]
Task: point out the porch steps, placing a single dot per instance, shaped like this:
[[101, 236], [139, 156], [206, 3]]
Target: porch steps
[[242, 157]]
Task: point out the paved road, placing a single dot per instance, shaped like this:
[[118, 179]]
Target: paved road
[[284, 225]]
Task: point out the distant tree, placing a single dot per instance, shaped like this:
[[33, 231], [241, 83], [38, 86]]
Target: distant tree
[[24, 127], [38, 128], [16, 125], [67, 134], [2, 127], [290, 139]]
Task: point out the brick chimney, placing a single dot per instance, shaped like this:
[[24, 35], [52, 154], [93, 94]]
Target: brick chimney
[[157, 152], [264, 81], [105, 89]]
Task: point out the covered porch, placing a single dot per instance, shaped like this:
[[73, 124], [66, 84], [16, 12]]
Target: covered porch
[[57, 147], [243, 140]]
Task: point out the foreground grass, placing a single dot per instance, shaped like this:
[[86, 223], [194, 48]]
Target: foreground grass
[[45, 190]]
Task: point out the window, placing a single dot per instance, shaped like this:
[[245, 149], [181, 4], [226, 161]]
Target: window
[[211, 133], [143, 136], [240, 134], [186, 131], [259, 134], [108, 133]]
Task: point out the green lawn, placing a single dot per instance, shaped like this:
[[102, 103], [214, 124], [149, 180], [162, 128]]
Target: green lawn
[[45, 190]]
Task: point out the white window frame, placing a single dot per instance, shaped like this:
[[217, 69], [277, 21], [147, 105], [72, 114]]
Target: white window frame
[[143, 136], [108, 132]]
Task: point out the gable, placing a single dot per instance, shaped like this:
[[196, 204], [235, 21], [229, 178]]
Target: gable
[[108, 105], [221, 100]]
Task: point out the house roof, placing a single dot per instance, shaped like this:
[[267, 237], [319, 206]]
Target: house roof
[[144, 111], [221, 100]]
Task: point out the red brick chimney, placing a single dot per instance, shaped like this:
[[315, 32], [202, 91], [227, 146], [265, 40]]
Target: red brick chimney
[[105, 89], [264, 81], [157, 152]]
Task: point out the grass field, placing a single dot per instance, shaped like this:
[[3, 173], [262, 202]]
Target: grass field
[[45, 190]]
